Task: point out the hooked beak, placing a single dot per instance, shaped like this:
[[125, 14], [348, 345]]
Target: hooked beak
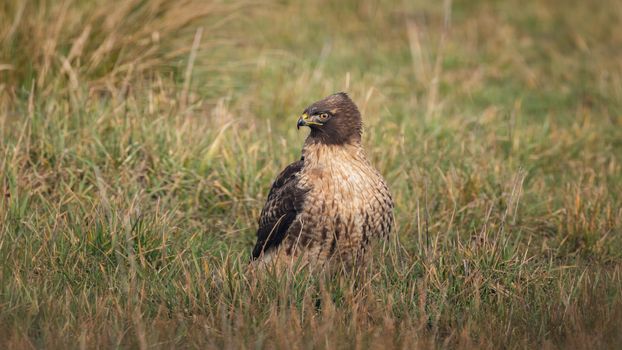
[[305, 120]]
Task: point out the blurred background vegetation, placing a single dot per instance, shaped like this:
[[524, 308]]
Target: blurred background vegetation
[[139, 139]]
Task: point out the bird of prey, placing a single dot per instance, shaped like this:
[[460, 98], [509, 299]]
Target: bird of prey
[[325, 208]]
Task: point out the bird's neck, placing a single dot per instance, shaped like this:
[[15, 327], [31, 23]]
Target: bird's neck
[[320, 154], [336, 135]]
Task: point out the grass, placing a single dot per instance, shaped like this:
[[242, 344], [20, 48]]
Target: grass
[[139, 140]]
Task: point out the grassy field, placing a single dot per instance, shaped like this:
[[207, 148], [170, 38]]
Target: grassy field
[[139, 138]]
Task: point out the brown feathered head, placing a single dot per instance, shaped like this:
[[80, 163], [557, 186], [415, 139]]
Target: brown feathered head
[[334, 120]]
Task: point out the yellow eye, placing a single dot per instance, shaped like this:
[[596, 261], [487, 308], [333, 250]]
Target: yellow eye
[[324, 116]]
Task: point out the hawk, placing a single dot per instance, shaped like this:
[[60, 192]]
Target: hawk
[[326, 207]]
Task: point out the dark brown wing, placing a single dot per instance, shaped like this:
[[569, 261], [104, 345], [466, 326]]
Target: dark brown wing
[[283, 204]]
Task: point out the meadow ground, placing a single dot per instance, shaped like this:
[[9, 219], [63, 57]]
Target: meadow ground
[[139, 139]]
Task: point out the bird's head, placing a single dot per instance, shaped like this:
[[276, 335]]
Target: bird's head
[[333, 120]]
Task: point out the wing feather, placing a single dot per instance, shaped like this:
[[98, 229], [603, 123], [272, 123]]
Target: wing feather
[[282, 206]]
